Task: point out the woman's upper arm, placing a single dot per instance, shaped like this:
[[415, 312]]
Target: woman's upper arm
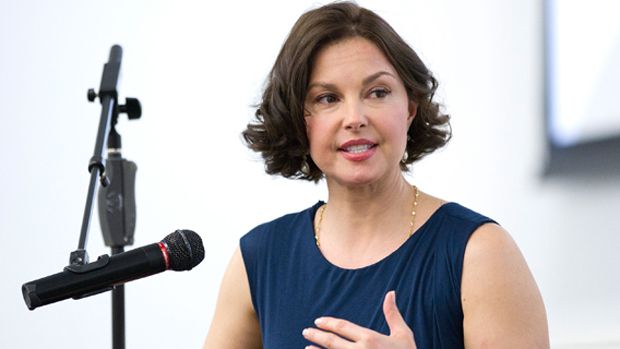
[[502, 306], [234, 325]]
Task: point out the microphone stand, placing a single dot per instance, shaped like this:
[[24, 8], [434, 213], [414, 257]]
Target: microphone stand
[[78, 259], [117, 215]]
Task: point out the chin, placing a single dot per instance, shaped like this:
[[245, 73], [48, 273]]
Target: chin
[[355, 179]]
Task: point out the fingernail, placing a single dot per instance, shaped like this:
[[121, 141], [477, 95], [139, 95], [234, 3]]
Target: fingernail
[[320, 321], [305, 332]]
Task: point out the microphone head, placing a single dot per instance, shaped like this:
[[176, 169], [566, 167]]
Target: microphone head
[[185, 249]]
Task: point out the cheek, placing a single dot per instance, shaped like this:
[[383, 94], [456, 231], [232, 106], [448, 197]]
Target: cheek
[[398, 124], [315, 128], [394, 131], [312, 130]]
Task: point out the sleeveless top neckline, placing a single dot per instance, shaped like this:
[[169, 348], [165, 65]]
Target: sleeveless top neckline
[[394, 254]]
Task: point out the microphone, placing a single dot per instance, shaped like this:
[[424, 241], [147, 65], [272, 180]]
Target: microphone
[[180, 250]]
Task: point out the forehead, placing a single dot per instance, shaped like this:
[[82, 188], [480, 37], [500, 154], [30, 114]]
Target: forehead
[[349, 57]]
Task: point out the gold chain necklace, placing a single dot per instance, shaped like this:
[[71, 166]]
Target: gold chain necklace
[[317, 231]]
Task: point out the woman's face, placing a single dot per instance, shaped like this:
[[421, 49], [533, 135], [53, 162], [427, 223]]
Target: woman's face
[[357, 114]]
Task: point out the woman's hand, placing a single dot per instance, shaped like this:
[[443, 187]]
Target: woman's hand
[[333, 333]]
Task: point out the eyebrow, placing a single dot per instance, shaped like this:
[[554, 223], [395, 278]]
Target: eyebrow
[[375, 76], [366, 80]]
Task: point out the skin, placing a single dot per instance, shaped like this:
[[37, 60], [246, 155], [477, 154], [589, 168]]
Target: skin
[[355, 93], [234, 325], [401, 336]]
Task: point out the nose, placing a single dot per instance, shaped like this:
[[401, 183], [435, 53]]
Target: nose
[[354, 117]]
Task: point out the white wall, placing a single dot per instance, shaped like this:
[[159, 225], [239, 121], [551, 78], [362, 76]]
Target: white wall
[[197, 67]]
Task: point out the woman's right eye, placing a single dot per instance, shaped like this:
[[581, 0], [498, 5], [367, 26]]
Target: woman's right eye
[[326, 99]]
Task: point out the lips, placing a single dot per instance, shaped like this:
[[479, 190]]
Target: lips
[[355, 149], [358, 149], [357, 145]]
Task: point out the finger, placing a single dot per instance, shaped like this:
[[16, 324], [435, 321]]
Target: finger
[[394, 319], [325, 339], [342, 328]]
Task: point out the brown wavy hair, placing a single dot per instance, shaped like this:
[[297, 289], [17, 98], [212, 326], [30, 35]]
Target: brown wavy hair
[[278, 131]]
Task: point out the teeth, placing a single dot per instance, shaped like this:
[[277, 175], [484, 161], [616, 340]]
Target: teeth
[[358, 148]]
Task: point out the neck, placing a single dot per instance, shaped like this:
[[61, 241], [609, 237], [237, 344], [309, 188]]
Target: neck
[[366, 214]]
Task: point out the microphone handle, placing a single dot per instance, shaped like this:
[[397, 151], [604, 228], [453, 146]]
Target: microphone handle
[[100, 276]]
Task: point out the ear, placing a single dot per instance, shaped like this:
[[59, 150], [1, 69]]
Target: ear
[[413, 110]]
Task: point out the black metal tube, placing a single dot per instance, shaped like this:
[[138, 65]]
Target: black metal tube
[[116, 54], [107, 105], [118, 311]]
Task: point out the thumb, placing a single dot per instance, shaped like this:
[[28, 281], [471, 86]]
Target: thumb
[[394, 319]]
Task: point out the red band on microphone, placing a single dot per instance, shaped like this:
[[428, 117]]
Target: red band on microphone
[[164, 252]]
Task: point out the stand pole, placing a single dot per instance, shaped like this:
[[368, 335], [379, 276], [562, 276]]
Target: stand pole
[[118, 311]]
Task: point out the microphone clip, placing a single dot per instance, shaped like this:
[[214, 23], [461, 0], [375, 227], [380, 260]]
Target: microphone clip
[[101, 262], [78, 257]]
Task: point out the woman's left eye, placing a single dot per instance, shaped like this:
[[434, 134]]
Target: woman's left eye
[[379, 92]]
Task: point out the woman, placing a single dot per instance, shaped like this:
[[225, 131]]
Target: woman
[[381, 264]]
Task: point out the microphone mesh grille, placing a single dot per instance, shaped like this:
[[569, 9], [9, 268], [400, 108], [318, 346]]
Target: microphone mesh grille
[[185, 249]]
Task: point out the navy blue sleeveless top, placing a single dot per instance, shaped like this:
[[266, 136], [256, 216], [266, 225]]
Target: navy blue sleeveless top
[[291, 283]]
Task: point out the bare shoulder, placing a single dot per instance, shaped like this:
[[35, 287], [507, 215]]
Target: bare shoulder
[[502, 305], [234, 325], [427, 206]]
